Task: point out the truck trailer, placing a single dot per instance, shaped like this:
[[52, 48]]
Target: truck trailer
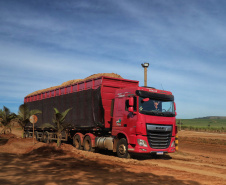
[[109, 113]]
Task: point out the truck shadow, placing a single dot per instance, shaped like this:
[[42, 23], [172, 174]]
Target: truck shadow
[[133, 156], [141, 157], [46, 165]]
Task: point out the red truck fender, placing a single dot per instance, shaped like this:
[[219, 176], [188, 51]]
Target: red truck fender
[[81, 136], [122, 134]]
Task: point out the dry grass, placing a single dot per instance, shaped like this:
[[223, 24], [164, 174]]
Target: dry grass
[[71, 82]]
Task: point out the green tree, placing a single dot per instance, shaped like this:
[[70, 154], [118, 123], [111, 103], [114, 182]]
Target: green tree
[[24, 114], [60, 124], [6, 117]]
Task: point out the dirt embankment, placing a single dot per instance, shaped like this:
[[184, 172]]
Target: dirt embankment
[[200, 160]]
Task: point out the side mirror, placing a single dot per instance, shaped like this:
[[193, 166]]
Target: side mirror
[[130, 109], [131, 102], [175, 109]]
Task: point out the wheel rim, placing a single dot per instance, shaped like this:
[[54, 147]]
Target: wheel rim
[[86, 146], [36, 136], [45, 138], [122, 149], [76, 143]]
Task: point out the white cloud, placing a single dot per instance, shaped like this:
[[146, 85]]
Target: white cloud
[[184, 46]]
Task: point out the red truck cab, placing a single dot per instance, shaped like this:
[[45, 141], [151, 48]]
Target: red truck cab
[[146, 118]]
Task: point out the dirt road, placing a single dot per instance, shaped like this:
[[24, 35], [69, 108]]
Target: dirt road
[[201, 159]]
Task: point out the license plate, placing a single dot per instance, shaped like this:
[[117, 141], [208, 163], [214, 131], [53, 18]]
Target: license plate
[[159, 153]]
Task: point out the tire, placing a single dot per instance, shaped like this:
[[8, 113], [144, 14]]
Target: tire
[[24, 134], [36, 136], [27, 134], [87, 144], [46, 137], [122, 149], [77, 142]]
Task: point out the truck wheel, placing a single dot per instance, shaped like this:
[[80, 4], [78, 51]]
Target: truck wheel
[[24, 134], [87, 144], [77, 142], [122, 148], [27, 134], [36, 136], [46, 137]]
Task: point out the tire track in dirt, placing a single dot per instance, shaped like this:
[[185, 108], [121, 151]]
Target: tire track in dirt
[[195, 168], [203, 158]]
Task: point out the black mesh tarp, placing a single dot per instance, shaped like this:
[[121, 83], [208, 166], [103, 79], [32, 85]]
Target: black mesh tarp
[[87, 109]]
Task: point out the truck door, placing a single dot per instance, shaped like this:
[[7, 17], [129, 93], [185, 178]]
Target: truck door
[[123, 120], [118, 112], [122, 116]]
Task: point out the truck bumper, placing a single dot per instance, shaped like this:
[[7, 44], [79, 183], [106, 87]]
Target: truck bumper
[[142, 149]]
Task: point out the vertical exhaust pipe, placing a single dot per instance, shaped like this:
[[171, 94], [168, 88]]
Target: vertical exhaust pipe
[[145, 66]]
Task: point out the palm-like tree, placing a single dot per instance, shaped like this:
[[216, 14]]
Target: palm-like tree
[[6, 117], [24, 114], [60, 124]]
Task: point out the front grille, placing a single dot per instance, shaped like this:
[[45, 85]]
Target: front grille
[[159, 136]]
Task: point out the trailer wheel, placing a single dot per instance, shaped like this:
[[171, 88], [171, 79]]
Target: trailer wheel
[[27, 134], [122, 148], [36, 136], [77, 142], [87, 144], [24, 134], [46, 137]]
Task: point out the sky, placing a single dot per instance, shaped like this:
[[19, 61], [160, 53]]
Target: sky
[[44, 43]]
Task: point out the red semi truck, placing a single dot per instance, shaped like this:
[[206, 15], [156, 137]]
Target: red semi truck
[[109, 113]]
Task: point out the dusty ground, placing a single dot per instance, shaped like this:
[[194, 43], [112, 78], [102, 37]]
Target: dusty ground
[[201, 159]]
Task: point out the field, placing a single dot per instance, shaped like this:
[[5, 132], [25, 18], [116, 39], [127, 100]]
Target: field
[[215, 125], [201, 159]]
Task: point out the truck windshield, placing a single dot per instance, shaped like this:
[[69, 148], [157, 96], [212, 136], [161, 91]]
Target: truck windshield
[[156, 107]]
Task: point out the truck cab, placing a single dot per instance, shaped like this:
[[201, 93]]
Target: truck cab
[[145, 118]]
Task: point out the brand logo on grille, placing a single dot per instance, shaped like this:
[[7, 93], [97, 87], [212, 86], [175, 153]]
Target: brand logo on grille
[[163, 128], [160, 128]]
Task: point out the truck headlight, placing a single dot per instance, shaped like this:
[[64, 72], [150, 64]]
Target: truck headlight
[[142, 142]]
